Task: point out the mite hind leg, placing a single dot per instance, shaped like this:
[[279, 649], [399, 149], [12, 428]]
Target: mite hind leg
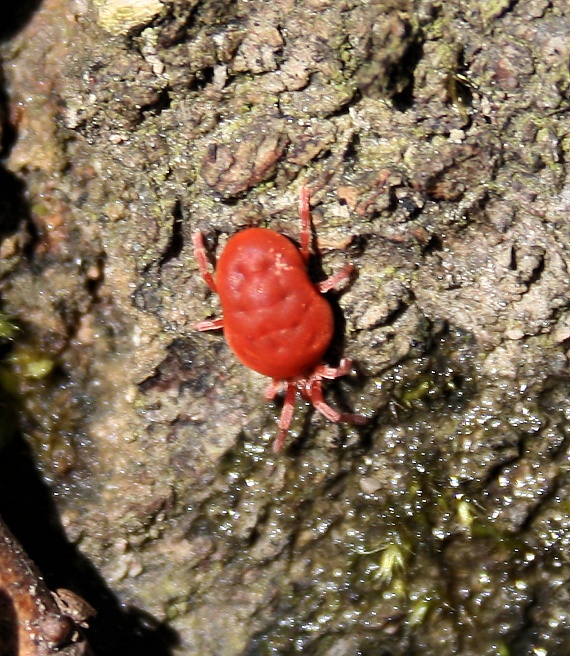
[[286, 412]]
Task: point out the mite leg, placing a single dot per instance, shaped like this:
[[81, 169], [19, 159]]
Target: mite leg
[[315, 394], [286, 417], [209, 324], [305, 216], [200, 255], [344, 367], [336, 280], [272, 389]]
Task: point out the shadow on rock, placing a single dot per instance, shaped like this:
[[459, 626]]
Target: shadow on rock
[[27, 508]]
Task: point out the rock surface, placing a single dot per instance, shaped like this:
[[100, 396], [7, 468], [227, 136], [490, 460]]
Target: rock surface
[[434, 138]]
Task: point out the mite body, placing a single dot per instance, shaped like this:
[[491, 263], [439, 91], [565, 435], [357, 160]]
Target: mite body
[[276, 319]]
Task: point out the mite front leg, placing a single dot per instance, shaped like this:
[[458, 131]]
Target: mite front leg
[[336, 280], [201, 258], [305, 216], [209, 324]]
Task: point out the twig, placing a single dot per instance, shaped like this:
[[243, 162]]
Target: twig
[[33, 620]]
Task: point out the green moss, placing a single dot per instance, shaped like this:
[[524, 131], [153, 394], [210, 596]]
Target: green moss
[[418, 392], [8, 329], [419, 610], [31, 364]]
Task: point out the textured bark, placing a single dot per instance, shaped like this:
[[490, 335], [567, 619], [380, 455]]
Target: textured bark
[[433, 136]]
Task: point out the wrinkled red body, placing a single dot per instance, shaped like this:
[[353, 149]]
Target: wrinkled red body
[[275, 320]]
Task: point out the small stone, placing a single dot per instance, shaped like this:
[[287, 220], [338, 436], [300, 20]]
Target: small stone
[[514, 333], [456, 136], [369, 484], [121, 16]]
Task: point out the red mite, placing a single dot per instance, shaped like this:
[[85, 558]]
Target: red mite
[[276, 320]]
